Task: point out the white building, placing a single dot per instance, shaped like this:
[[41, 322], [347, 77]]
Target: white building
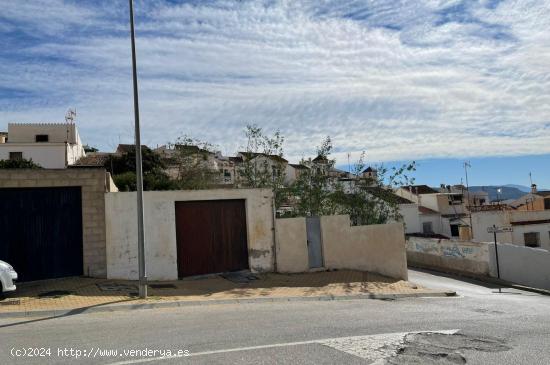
[[529, 228], [50, 145], [422, 220], [448, 204]]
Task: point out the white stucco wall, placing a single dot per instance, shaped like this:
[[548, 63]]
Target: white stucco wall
[[160, 230], [440, 225], [482, 220], [290, 174], [414, 220], [376, 248], [543, 230], [522, 265], [47, 155], [448, 255], [53, 154], [431, 201], [57, 132], [411, 217]]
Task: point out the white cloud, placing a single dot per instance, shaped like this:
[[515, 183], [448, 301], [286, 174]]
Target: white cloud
[[401, 80]]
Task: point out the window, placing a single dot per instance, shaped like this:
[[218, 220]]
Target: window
[[531, 239], [455, 199], [546, 203], [226, 175], [427, 228], [41, 138], [16, 155], [276, 172], [454, 230]]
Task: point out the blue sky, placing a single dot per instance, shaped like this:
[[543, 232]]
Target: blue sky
[[437, 81], [484, 171]]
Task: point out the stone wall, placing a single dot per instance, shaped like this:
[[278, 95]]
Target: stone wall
[[93, 183]]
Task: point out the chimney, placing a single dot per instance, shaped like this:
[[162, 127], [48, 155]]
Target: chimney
[[533, 188]]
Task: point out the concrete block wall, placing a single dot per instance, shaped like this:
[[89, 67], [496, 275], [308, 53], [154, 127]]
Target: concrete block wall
[[521, 265], [376, 248], [460, 257], [160, 230], [93, 187]]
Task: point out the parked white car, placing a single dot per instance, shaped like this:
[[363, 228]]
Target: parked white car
[[7, 277]]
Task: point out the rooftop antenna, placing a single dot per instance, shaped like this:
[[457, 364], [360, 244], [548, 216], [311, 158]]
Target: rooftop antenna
[[349, 165], [69, 120], [530, 179], [69, 117]]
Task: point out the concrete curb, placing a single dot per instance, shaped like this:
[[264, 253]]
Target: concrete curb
[[188, 303]]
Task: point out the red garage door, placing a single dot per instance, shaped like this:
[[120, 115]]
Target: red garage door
[[211, 237]]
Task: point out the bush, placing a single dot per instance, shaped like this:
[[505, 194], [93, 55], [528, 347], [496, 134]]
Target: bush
[[19, 164]]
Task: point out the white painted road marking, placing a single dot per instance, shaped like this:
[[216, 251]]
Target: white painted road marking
[[375, 348]]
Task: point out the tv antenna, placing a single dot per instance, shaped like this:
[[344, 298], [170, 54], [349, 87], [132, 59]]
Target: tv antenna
[[69, 117], [69, 120]]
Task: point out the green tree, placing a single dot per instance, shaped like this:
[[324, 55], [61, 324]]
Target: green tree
[[311, 192], [371, 199], [19, 164], [366, 199], [263, 162], [88, 148], [194, 160], [123, 169]]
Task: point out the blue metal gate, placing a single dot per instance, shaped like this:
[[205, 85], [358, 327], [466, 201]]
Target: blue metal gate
[[41, 231]]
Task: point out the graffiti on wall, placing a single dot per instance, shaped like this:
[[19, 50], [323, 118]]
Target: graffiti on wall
[[447, 248]]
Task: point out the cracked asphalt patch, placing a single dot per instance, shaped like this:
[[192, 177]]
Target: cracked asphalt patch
[[437, 348]]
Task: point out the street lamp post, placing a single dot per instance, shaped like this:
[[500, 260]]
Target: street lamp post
[[139, 169], [466, 165]]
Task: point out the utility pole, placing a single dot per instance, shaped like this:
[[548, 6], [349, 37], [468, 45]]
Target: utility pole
[[139, 168], [466, 165]]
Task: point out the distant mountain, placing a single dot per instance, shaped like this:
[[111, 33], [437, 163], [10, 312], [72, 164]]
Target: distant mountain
[[507, 191], [523, 188]]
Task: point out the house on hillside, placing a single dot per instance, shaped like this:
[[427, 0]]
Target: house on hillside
[[370, 173], [424, 221], [471, 198], [259, 163], [50, 145], [450, 204], [180, 158], [529, 228], [535, 200], [293, 172]]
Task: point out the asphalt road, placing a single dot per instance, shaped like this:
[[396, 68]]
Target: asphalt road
[[482, 327]]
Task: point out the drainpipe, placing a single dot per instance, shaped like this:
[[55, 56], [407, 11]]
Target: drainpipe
[[273, 215]]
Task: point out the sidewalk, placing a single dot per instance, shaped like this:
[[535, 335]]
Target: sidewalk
[[60, 296]]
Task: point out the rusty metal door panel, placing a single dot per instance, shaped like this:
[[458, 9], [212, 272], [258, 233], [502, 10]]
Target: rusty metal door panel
[[41, 231], [211, 237]]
